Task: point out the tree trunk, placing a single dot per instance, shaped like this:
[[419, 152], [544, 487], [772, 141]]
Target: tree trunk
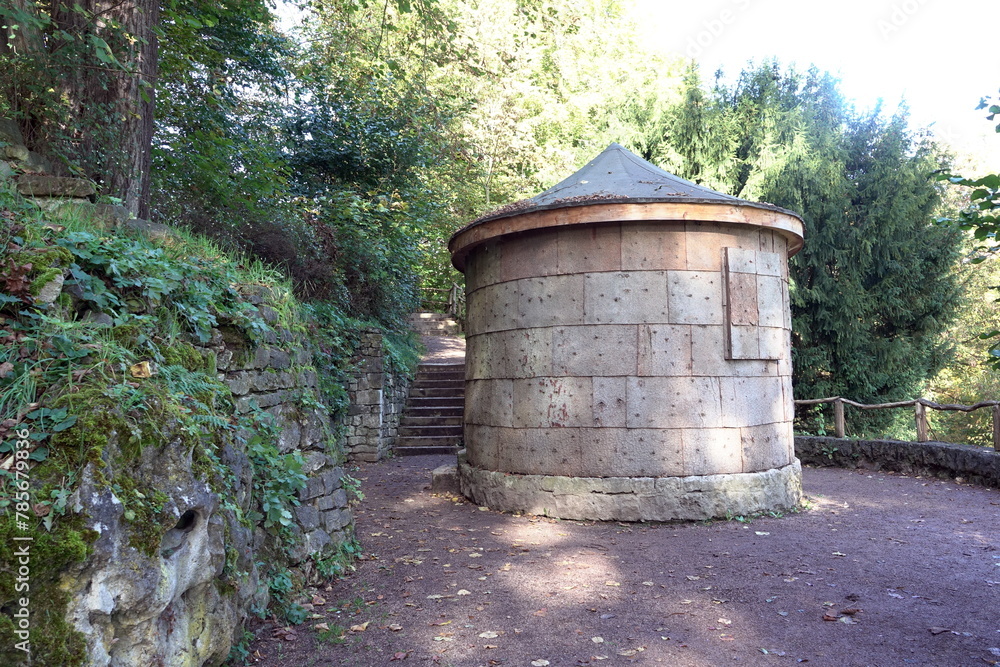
[[105, 123], [109, 100]]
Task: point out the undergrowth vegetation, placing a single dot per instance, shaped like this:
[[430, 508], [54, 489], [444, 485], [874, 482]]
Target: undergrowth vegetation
[[100, 363]]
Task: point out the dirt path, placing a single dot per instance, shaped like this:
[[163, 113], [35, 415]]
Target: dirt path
[[905, 570], [443, 350]]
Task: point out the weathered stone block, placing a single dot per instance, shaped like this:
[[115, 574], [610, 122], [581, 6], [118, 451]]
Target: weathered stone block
[[739, 260], [764, 447], [529, 255], [552, 451], [664, 350], [336, 519], [307, 517], [314, 488], [625, 298], [712, 451], [694, 297], [674, 402], [444, 479], [333, 480], [774, 343], [484, 267], [500, 306], [483, 445], [553, 402], [589, 249], [594, 350], [750, 401], [369, 397], [653, 246], [609, 402], [526, 353], [744, 343], [706, 241], [489, 402], [338, 498], [279, 359], [550, 301], [39, 185], [238, 383]]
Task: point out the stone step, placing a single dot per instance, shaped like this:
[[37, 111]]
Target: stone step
[[436, 383], [434, 324], [430, 431], [438, 370], [417, 450], [437, 419], [436, 392], [427, 441], [434, 411]]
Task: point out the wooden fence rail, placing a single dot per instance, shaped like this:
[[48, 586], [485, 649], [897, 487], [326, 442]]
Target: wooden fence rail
[[449, 299], [919, 406]]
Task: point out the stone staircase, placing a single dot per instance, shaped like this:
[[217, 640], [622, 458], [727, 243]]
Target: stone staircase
[[432, 419], [434, 324]]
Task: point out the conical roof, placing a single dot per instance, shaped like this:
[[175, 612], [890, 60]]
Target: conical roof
[[618, 173], [618, 186]]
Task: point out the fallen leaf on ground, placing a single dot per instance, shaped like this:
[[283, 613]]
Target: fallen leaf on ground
[[463, 592], [398, 656], [489, 635], [321, 626], [938, 630], [538, 663], [611, 583], [395, 627], [360, 627], [597, 640]]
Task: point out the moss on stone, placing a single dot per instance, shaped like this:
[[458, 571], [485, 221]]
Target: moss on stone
[[183, 354], [54, 641]]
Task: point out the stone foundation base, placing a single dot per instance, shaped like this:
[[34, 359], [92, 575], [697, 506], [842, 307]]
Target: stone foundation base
[[634, 498]]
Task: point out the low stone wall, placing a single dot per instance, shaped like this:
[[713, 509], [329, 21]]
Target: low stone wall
[[377, 399], [977, 465]]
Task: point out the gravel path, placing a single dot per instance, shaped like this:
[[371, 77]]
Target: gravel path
[[881, 570]]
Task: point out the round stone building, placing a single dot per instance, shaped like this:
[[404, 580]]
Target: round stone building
[[628, 350]]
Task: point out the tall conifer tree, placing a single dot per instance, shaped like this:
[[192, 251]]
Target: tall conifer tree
[[872, 290]]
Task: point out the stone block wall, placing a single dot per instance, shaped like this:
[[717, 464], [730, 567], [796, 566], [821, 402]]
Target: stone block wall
[[378, 396], [277, 376], [633, 349]]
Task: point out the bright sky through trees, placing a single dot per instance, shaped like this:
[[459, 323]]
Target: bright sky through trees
[[940, 57]]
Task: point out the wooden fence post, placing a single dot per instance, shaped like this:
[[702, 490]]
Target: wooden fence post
[[996, 427], [920, 413], [838, 418]]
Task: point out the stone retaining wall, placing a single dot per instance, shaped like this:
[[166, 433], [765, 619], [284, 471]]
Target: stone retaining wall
[[278, 377], [978, 465], [378, 396]]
